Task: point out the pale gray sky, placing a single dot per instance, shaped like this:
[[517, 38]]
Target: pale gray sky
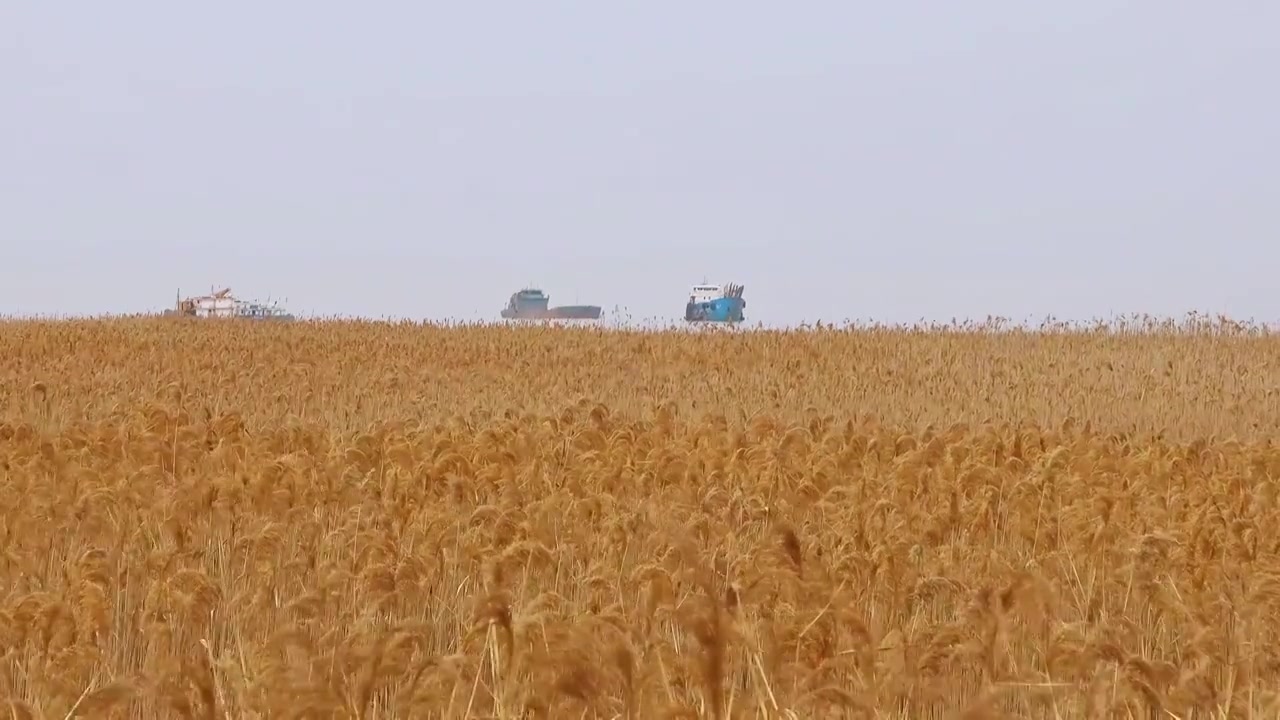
[[841, 159]]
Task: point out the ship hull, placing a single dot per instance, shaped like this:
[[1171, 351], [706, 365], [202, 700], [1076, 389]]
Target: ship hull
[[564, 312], [278, 317], [720, 310]]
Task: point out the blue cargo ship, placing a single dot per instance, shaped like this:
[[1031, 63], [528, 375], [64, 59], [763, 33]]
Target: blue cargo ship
[[715, 304]]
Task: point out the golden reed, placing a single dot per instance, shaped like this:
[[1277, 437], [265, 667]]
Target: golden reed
[[368, 520]]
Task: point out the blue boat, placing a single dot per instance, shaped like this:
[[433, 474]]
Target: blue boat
[[715, 304]]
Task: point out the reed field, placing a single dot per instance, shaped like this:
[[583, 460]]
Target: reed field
[[222, 519]]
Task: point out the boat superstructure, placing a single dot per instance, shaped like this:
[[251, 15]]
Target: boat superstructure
[[532, 303], [715, 304], [222, 304]]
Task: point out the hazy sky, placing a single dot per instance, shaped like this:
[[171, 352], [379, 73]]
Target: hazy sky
[[841, 159]]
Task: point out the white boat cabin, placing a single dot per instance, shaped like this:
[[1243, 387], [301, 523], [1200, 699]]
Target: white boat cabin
[[214, 307], [705, 293]]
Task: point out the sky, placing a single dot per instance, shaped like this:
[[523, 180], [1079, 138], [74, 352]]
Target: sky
[[841, 160]]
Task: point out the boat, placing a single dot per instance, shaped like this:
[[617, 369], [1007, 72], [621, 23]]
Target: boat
[[532, 303], [222, 304], [715, 304]]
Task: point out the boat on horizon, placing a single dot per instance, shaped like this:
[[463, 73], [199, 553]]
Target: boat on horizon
[[532, 303], [715, 304], [222, 304]]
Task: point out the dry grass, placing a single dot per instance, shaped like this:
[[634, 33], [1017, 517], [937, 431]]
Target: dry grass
[[360, 520]]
